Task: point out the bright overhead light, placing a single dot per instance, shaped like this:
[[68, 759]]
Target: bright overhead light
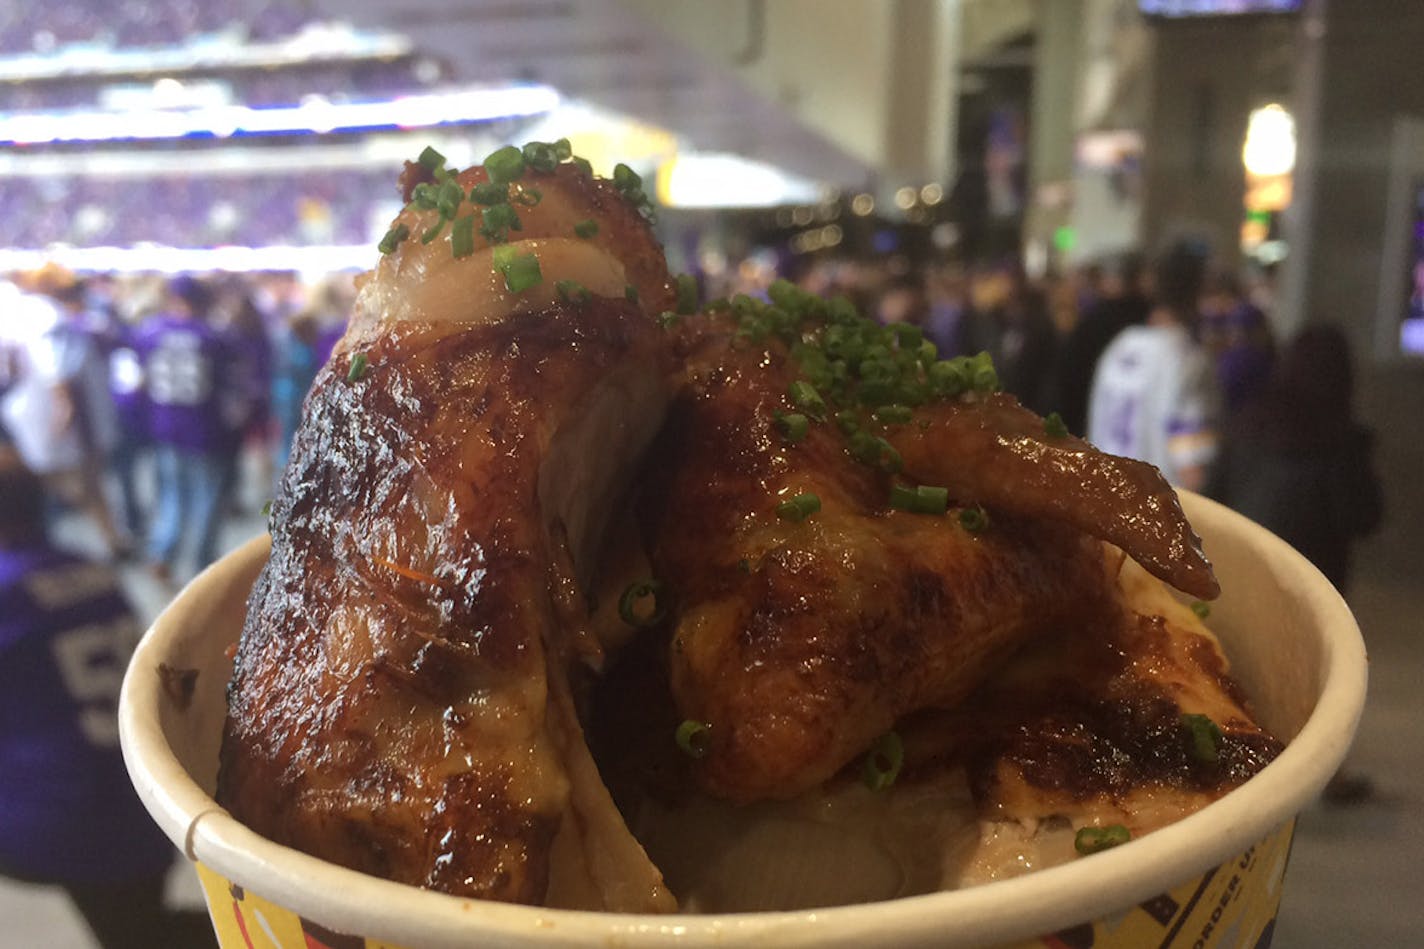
[[719, 180], [1270, 142], [317, 116]]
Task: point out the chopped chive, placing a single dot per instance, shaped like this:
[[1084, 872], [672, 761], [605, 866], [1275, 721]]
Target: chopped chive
[[487, 193], [974, 519], [694, 738], [1054, 427], [635, 593], [433, 231], [626, 178], [448, 197], [667, 319], [793, 425], [893, 414], [583, 165], [521, 271], [805, 397], [1205, 736], [267, 508], [358, 368], [462, 236], [799, 508], [540, 156], [922, 499], [563, 151], [630, 293], [424, 196], [431, 159], [983, 378], [528, 197], [505, 165], [586, 228], [497, 221], [393, 238], [686, 294], [883, 762], [872, 450], [1090, 840], [744, 565], [571, 291], [1201, 608]]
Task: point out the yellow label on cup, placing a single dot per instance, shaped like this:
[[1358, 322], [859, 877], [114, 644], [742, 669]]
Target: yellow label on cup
[[244, 920], [1231, 907]]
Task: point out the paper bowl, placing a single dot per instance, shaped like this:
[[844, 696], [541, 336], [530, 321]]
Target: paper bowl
[[1212, 879]]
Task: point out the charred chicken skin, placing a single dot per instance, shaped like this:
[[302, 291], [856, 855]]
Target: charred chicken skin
[[801, 636], [400, 702]]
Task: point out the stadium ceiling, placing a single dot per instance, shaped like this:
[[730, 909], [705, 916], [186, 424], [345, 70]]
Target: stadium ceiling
[[603, 52]]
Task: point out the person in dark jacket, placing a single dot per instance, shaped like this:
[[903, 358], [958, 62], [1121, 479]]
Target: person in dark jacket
[[68, 815], [1120, 304], [1297, 461]]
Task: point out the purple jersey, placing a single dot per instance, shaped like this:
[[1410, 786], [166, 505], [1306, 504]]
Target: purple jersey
[[185, 377], [67, 811]]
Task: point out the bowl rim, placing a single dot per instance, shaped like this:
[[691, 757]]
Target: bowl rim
[[1040, 902]]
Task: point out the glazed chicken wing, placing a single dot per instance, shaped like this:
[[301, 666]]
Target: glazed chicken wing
[[400, 702], [803, 636]]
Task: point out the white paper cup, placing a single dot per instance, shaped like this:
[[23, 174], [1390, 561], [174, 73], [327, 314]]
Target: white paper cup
[[1212, 879]]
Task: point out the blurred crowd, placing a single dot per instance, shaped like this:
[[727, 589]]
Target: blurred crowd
[[135, 398], [109, 383]]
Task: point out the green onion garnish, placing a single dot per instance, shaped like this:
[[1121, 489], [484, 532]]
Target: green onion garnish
[[799, 508], [393, 238], [563, 151], [686, 294], [630, 293], [521, 271], [528, 196], [487, 193], [571, 291], [922, 499], [875, 451], [628, 604], [1093, 839], [540, 156], [1201, 608], [267, 508], [431, 159], [805, 397], [974, 519], [694, 738], [462, 236], [1206, 738], [883, 762], [583, 165], [586, 228], [793, 425], [497, 221], [1054, 427], [667, 319], [358, 368], [893, 414], [505, 165]]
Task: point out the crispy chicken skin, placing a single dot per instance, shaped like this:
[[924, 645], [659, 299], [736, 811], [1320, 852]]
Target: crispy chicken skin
[[998, 453], [799, 643], [400, 701]]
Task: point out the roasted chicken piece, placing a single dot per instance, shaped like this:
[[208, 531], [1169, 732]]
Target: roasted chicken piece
[[799, 641], [1135, 721], [401, 702]]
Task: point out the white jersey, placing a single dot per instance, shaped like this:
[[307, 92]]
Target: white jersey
[[1155, 398]]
